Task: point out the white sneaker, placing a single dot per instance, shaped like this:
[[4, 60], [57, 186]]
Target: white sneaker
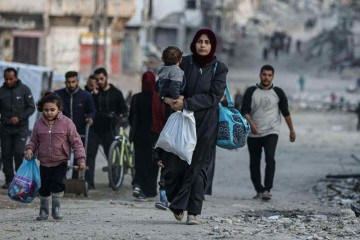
[[136, 192], [266, 195], [192, 220]]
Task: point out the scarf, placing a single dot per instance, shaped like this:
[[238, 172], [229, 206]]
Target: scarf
[[203, 60], [157, 107]]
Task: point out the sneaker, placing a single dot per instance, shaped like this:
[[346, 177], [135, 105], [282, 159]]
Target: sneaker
[[258, 195], [178, 214], [161, 206], [192, 220], [355, 209], [5, 186], [136, 192], [141, 196], [266, 195]]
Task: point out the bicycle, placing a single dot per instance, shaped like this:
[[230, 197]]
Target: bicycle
[[121, 159]]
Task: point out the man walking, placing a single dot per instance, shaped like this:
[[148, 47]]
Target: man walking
[[111, 110], [78, 104], [262, 105], [80, 108], [91, 85], [16, 106]]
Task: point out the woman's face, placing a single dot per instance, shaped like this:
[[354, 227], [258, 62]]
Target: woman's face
[[203, 45]]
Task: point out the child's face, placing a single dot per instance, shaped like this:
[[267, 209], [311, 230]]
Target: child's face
[[50, 111]]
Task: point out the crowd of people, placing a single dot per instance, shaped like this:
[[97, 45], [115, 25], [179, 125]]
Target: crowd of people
[[195, 82], [278, 42]]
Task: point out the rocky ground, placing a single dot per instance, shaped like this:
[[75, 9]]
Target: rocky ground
[[300, 208]]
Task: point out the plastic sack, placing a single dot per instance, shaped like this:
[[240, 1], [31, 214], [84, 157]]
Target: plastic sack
[[179, 135], [26, 184]]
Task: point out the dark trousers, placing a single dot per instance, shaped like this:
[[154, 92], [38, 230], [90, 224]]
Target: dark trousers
[[95, 139], [146, 169], [255, 146], [210, 172], [185, 184], [52, 179], [13, 140]]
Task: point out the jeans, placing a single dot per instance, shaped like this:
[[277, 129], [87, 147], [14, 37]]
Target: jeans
[[255, 146]]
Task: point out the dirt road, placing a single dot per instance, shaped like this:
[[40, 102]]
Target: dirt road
[[294, 212]]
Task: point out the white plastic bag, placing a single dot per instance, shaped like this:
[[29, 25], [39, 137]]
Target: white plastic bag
[[179, 135]]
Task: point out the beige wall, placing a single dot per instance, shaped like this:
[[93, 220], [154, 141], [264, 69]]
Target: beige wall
[[117, 8], [22, 6], [63, 48]]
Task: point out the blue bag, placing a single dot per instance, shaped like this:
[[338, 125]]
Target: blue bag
[[233, 128], [26, 184]]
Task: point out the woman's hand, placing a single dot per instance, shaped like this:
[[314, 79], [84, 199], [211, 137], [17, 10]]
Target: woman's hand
[[28, 154], [178, 104], [168, 101]]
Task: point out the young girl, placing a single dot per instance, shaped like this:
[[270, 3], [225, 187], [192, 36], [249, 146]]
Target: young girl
[[52, 137]]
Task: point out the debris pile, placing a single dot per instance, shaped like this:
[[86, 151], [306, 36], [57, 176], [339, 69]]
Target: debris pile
[[294, 223]]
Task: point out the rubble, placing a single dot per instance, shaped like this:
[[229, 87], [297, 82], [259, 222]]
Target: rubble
[[294, 223]]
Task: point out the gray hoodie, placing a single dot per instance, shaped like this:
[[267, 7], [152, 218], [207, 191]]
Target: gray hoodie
[[171, 81]]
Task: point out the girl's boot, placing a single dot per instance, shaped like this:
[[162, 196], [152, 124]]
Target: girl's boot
[[44, 208], [55, 208]]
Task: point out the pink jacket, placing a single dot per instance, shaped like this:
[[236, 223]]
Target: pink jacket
[[53, 144]]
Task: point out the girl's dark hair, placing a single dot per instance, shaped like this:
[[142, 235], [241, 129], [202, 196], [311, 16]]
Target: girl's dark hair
[[171, 55], [49, 97]]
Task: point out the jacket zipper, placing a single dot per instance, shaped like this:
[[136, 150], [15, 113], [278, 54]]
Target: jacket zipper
[[50, 127], [71, 107], [11, 106]]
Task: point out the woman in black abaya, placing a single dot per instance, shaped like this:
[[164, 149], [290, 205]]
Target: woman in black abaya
[[185, 184]]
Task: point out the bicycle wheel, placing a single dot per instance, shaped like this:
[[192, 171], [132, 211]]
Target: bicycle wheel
[[116, 167]]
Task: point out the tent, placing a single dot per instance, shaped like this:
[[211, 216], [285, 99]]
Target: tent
[[37, 78]]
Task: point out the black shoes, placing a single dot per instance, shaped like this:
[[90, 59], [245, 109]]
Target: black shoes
[[6, 185], [137, 193]]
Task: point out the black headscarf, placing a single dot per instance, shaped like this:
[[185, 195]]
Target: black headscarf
[[203, 60]]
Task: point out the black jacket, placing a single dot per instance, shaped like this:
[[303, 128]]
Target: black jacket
[[109, 105], [16, 101], [77, 106]]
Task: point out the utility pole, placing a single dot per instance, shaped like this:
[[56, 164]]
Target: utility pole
[[96, 33], [104, 24]]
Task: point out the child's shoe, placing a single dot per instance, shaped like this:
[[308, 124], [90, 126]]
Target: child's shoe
[[161, 206], [44, 209], [55, 208]]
